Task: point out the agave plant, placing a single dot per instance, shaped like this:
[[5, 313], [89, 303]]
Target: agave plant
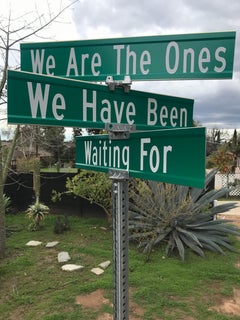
[[36, 212], [6, 201], [180, 216]]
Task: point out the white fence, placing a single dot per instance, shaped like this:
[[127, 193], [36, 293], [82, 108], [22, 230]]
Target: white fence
[[228, 180]]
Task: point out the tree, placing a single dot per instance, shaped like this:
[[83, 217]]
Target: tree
[[234, 148], [215, 138], [29, 141], [222, 159], [54, 142], [12, 32], [76, 133], [226, 156], [2, 210]]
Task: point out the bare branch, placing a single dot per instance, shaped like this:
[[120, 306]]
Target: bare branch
[[45, 25], [4, 72], [9, 38]]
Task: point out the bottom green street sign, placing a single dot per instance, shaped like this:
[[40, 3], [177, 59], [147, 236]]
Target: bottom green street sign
[[174, 156]]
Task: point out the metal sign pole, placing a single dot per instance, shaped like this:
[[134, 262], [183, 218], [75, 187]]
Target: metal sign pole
[[120, 245], [120, 215]]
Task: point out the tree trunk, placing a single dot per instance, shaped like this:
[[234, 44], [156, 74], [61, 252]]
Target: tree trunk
[[3, 177], [2, 210], [9, 37], [7, 163], [36, 179]]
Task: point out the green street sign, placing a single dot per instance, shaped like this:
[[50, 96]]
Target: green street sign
[[187, 56], [174, 156], [45, 100]]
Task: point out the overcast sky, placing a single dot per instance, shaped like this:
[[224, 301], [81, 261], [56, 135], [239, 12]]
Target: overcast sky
[[217, 102]]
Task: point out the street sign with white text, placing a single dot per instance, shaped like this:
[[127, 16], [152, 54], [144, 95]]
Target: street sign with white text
[[45, 100], [174, 156], [189, 56]]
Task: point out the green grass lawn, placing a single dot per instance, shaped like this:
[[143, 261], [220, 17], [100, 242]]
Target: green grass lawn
[[33, 286]]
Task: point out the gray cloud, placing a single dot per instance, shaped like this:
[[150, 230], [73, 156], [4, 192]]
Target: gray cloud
[[217, 102], [220, 107], [127, 17]]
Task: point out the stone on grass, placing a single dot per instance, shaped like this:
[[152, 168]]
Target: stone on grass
[[33, 243], [51, 244], [97, 271], [71, 267], [105, 264], [63, 257]]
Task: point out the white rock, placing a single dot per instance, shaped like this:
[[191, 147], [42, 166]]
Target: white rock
[[33, 243], [105, 264], [97, 271], [71, 267], [51, 244], [63, 257]]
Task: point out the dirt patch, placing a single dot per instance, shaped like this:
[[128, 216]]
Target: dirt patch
[[229, 306], [95, 300], [237, 264], [105, 316], [235, 219]]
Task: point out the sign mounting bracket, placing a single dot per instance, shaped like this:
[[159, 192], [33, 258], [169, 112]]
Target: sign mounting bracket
[[125, 84], [119, 131]]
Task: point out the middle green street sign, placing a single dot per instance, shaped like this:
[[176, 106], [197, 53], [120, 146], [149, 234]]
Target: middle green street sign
[[183, 56], [46, 100], [174, 156]]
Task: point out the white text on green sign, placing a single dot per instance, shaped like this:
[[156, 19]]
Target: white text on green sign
[[173, 156], [45, 100], [191, 56]]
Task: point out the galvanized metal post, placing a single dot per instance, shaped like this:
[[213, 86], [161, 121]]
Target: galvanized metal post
[[120, 214], [120, 247], [120, 232]]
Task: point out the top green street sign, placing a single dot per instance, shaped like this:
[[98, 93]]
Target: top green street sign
[[191, 56]]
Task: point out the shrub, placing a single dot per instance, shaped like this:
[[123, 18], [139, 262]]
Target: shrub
[[61, 225], [36, 213], [93, 186], [178, 216]]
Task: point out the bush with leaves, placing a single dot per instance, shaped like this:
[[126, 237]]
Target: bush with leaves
[[178, 216], [91, 185]]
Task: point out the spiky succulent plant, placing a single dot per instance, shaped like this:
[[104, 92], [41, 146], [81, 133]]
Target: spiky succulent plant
[[180, 216], [36, 213], [6, 201]]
